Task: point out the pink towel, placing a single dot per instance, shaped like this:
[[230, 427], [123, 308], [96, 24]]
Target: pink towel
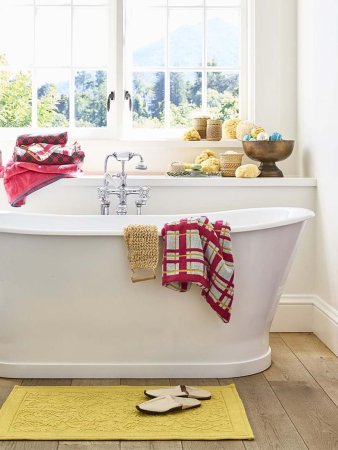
[[21, 179]]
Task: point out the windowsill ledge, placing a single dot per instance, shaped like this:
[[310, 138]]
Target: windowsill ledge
[[173, 143], [166, 181]]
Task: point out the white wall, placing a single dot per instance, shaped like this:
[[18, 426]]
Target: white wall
[[272, 78], [317, 119]]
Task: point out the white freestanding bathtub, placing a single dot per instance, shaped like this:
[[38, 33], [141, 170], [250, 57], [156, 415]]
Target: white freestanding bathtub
[[69, 309]]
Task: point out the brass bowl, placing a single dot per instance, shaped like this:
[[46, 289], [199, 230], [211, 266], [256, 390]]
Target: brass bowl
[[268, 153]]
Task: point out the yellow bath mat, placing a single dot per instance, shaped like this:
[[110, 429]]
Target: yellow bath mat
[[109, 413]]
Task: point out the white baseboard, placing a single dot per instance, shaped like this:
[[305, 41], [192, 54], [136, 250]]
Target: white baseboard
[[308, 313]]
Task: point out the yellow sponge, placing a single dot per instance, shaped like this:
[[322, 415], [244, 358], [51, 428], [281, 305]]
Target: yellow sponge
[[229, 128], [247, 171]]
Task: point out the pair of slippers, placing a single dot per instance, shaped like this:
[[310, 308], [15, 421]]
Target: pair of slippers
[[173, 399]]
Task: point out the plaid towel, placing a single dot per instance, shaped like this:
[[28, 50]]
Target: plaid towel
[[196, 251], [48, 154], [56, 139]]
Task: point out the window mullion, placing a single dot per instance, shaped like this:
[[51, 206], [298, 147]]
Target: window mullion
[[167, 75], [204, 61], [34, 75]]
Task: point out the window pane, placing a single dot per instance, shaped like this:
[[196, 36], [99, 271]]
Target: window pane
[[17, 35], [53, 2], [185, 2], [91, 98], [52, 44], [223, 37], [90, 2], [185, 37], [146, 37], [148, 99], [185, 96], [223, 90], [15, 99], [223, 2], [53, 98], [90, 36]]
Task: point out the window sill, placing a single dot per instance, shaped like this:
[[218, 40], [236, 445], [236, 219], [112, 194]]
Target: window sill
[[166, 181]]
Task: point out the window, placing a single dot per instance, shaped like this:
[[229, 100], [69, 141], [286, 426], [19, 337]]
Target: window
[[163, 59], [53, 63], [181, 57]]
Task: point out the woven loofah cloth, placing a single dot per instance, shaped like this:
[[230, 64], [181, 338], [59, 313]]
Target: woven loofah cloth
[[143, 249]]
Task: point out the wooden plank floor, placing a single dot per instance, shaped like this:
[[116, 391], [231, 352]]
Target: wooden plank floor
[[292, 406]]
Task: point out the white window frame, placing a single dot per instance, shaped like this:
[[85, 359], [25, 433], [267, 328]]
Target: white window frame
[[126, 131], [119, 116], [79, 132]]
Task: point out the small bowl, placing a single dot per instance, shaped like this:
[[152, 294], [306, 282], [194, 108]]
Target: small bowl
[[268, 153]]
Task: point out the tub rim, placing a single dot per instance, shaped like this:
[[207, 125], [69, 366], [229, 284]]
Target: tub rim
[[66, 222]]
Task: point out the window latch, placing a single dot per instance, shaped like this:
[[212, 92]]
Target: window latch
[[127, 96], [111, 98]]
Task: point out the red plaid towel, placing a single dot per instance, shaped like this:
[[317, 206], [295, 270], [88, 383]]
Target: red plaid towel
[[49, 154], [196, 251], [56, 139]]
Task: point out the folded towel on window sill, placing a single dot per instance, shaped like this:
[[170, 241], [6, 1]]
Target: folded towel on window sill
[[196, 251]]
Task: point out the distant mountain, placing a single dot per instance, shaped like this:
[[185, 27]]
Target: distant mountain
[[185, 40]]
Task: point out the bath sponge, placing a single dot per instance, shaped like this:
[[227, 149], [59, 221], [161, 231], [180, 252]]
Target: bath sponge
[[247, 171], [275, 137], [244, 127], [255, 131], [263, 136], [204, 156], [191, 135], [211, 165], [229, 128]]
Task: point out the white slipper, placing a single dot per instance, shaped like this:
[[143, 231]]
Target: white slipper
[[179, 391], [167, 403]]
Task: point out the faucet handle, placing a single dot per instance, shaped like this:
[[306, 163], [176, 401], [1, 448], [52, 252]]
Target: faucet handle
[[144, 192]]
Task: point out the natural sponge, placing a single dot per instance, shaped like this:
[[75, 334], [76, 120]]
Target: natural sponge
[[244, 127], [204, 156], [191, 135], [229, 128], [211, 165], [247, 171]]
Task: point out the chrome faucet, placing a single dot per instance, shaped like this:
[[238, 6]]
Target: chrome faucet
[[122, 190]]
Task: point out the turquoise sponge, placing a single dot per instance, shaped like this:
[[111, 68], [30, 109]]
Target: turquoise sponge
[[275, 137]]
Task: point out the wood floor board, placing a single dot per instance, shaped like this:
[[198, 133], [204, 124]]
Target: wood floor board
[[6, 385], [317, 358], [28, 445], [89, 445], [311, 410], [145, 381], [194, 381], [46, 382], [151, 445], [271, 425], [96, 382], [213, 445]]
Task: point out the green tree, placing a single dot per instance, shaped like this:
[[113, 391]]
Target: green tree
[[15, 98], [48, 112]]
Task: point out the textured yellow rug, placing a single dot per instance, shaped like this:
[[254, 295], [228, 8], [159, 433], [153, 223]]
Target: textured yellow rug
[[109, 413]]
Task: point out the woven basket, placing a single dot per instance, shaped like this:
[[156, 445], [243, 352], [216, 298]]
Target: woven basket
[[229, 163], [214, 130], [200, 125]]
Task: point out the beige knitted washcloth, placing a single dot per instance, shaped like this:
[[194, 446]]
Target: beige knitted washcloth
[[143, 250]]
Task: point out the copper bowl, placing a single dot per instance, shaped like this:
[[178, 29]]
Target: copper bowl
[[268, 153]]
